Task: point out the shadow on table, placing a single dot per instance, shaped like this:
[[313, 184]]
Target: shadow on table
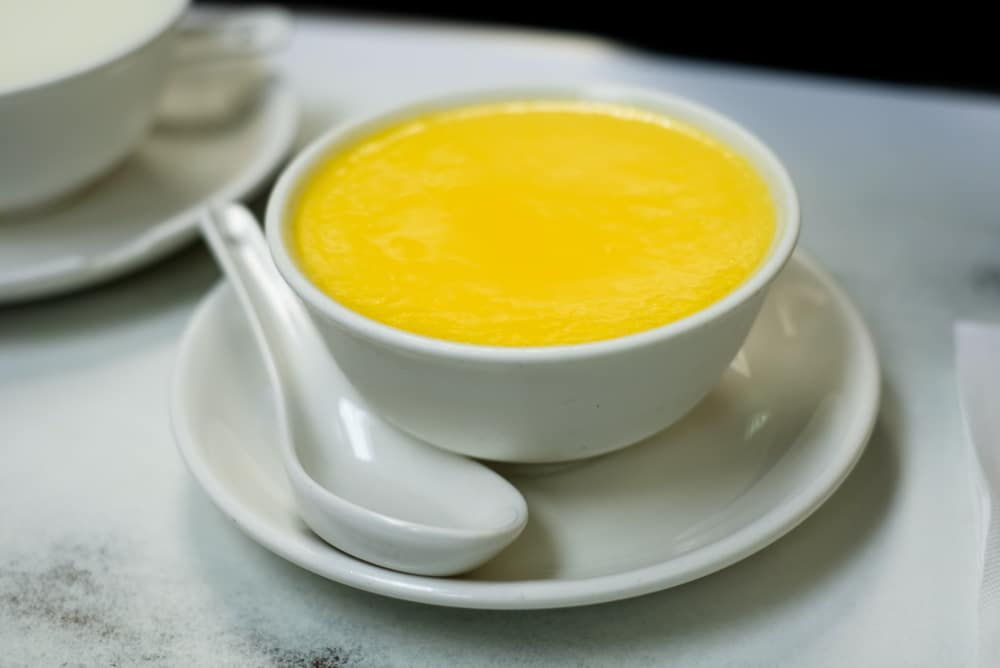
[[124, 309], [165, 289], [296, 612]]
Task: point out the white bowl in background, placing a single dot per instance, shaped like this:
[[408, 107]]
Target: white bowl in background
[[61, 132]]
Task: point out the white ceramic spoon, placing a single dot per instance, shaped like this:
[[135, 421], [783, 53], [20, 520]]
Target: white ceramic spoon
[[371, 491]]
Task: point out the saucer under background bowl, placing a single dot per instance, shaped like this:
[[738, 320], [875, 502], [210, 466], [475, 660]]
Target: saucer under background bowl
[[763, 451], [149, 205]]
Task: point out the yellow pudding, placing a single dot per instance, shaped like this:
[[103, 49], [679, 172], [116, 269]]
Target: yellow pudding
[[532, 223]]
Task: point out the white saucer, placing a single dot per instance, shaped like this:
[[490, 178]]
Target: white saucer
[[763, 451], [148, 206]]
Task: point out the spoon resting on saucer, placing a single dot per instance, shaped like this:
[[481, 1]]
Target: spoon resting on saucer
[[367, 489]]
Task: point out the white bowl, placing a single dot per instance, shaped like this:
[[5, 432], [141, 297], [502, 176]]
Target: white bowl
[[547, 403], [62, 132]]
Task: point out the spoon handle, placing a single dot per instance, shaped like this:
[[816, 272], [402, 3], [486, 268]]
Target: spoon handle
[[279, 321]]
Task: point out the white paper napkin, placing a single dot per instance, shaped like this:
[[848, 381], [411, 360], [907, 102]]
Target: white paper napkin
[[978, 366]]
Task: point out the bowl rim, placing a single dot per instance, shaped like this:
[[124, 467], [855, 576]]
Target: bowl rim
[[135, 44], [686, 110]]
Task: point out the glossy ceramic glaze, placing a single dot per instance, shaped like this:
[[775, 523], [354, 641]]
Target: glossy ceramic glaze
[[767, 446], [64, 131], [541, 404], [375, 492], [149, 206]]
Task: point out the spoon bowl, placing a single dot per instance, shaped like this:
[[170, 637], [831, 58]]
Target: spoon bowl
[[368, 489]]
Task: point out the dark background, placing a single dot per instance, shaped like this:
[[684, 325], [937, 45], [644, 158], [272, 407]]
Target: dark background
[[937, 44]]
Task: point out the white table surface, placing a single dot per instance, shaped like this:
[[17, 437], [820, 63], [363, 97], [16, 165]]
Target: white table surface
[[111, 555]]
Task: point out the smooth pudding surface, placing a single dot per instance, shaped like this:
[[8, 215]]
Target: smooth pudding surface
[[532, 223]]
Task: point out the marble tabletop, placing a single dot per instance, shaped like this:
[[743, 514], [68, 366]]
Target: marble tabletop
[[110, 555]]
